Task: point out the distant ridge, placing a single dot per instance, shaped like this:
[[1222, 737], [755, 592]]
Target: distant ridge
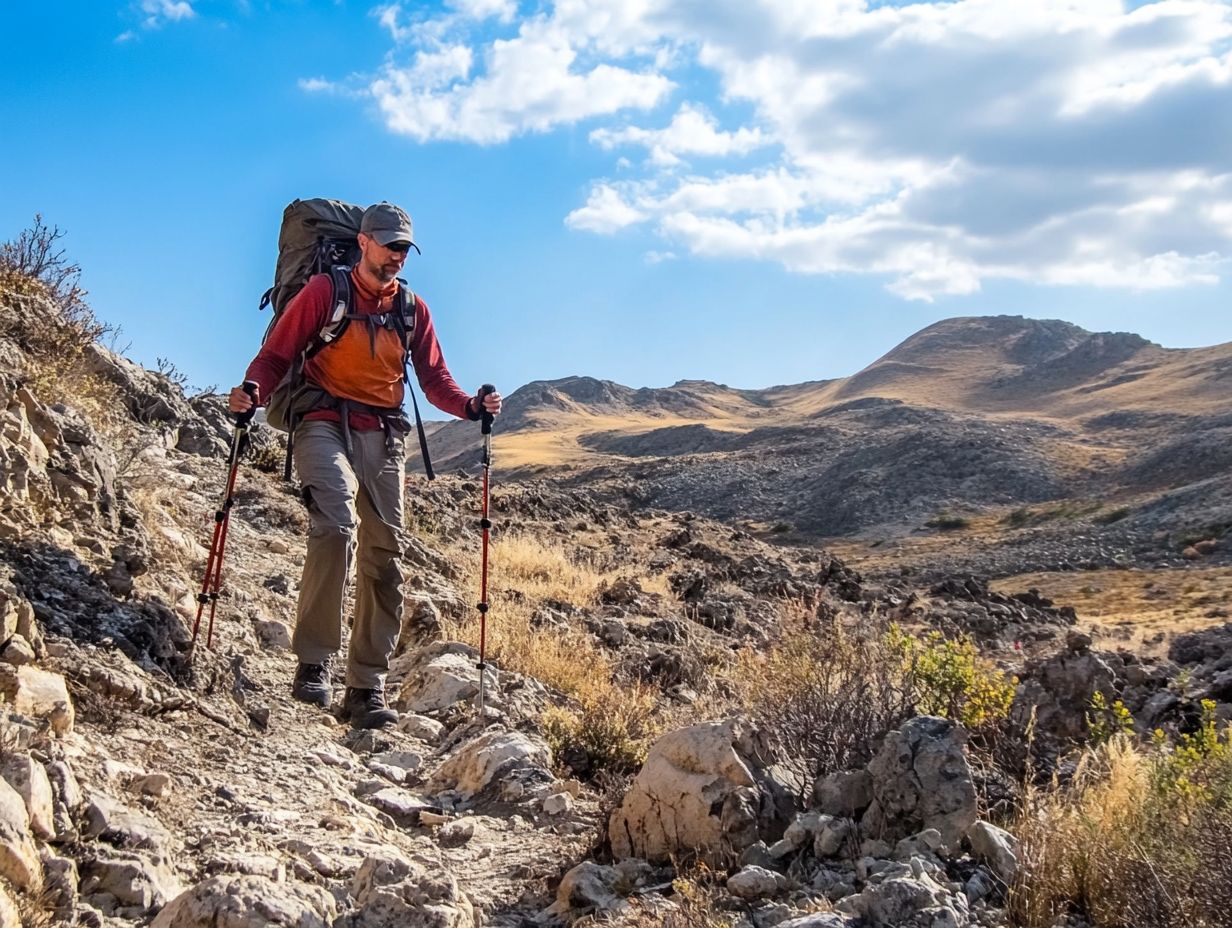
[[969, 411]]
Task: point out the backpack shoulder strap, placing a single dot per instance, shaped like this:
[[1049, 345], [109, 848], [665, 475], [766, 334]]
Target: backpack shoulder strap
[[404, 321]]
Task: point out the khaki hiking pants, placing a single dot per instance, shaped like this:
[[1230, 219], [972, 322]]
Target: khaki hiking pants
[[355, 507]]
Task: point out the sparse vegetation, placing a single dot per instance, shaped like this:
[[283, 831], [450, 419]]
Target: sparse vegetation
[[948, 523], [613, 722], [43, 310], [826, 694], [949, 678], [1141, 836]]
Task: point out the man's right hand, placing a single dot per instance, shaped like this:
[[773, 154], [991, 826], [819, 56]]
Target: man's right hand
[[239, 400]]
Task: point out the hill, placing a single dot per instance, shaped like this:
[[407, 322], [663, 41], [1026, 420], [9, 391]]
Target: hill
[[970, 418]]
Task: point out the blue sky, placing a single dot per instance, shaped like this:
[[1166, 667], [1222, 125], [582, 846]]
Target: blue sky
[[747, 191]]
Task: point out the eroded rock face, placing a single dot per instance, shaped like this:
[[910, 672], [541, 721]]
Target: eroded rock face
[[391, 892], [248, 902], [702, 789], [19, 859], [921, 780]]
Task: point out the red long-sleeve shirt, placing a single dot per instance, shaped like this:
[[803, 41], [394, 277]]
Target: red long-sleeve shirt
[[304, 318]]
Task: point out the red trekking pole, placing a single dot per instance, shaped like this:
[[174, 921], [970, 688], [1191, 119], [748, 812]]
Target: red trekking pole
[[485, 524], [222, 520]]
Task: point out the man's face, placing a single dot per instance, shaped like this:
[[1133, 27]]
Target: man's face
[[382, 262]]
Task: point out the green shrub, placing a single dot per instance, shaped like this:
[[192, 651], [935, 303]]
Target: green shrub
[[949, 678], [947, 523], [614, 731]]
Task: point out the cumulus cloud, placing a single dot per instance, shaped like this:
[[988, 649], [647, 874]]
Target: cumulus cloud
[[605, 211], [692, 131], [938, 144], [530, 83]]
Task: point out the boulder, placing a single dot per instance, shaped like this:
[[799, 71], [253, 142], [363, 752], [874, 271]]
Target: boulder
[[488, 759], [132, 880], [921, 780], [241, 901], [38, 694], [439, 676], [393, 892], [19, 858], [29, 779], [704, 790], [995, 847], [755, 883]]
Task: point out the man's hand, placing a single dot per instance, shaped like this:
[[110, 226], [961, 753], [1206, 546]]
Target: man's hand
[[491, 403], [239, 401]]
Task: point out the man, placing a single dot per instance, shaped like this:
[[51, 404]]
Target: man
[[352, 472]]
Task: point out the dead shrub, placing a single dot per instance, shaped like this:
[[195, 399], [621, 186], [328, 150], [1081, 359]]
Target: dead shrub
[[826, 693], [44, 312]]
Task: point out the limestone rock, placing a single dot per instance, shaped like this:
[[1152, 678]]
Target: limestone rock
[[29, 779], [9, 917], [393, 892], [38, 694], [489, 758], [243, 901], [439, 676], [755, 883], [996, 847], [19, 859], [702, 789], [18, 651], [132, 880], [124, 827], [921, 780]]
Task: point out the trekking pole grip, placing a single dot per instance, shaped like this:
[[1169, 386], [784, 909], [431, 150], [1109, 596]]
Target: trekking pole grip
[[485, 416], [243, 418]]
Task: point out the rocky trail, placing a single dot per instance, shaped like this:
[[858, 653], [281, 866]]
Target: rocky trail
[[148, 781]]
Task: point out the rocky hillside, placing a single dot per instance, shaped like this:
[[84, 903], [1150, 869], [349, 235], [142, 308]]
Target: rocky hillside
[[970, 418], [640, 755]]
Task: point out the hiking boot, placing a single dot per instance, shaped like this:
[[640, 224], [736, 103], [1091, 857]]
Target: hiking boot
[[367, 709], [312, 684]]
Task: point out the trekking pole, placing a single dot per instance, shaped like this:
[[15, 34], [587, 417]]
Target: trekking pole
[[485, 525], [222, 521]]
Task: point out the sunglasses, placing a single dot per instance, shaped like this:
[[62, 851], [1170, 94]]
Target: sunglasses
[[400, 247]]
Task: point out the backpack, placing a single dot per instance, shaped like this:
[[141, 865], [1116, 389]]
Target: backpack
[[319, 236]]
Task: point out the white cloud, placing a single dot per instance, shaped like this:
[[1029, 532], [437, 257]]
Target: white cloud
[[316, 85], [503, 10], [606, 211], [159, 11], [530, 83], [692, 131], [939, 144]]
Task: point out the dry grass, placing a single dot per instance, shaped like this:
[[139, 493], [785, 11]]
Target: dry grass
[[1138, 837], [611, 721], [44, 312], [1139, 608]]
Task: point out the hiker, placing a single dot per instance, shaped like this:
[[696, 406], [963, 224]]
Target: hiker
[[351, 469]]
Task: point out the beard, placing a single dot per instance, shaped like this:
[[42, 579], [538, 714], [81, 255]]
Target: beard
[[386, 272]]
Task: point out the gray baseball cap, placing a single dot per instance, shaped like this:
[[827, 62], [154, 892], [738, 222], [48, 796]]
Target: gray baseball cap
[[387, 223]]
